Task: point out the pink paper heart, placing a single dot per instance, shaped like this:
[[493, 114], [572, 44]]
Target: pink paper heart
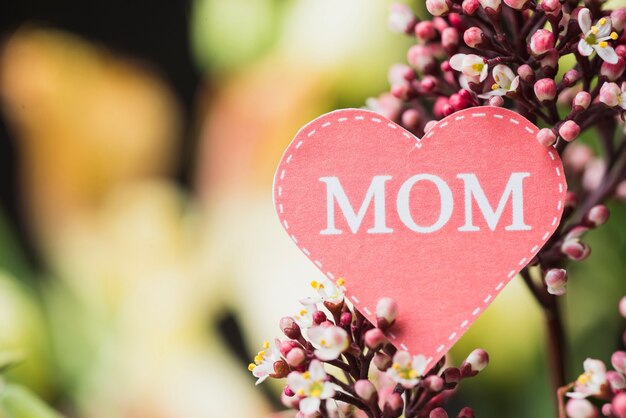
[[422, 251]]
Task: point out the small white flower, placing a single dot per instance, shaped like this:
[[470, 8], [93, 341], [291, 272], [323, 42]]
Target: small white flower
[[504, 81], [311, 386], [329, 291], [406, 370], [595, 37], [592, 382], [329, 341], [472, 66], [263, 365], [492, 4], [304, 318]]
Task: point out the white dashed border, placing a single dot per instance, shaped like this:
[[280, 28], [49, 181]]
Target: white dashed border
[[454, 336]]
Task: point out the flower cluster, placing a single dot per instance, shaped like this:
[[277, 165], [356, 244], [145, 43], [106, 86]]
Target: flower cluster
[[607, 389], [337, 363]]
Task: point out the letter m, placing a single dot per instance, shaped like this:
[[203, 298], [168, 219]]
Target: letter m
[[513, 189], [335, 193]]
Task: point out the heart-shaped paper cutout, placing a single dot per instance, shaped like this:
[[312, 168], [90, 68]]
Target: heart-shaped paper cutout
[[440, 224]]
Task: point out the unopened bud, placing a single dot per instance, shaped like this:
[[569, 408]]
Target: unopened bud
[[411, 119], [365, 390], [319, 317], [613, 71], [570, 78], [296, 357], [575, 250], [470, 6], [546, 137], [619, 405], [618, 361], [618, 19], [438, 413], [541, 42], [477, 359], [569, 130], [450, 39], [580, 408], [386, 312], [473, 36], [556, 280], [545, 89], [286, 346], [616, 380], [433, 383], [425, 30], [452, 375], [281, 369], [466, 412], [496, 101], [598, 215], [393, 406], [582, 100], [551, 7], [382, 361], [374, 338], [290, 328], [526, 73], [345, 319]]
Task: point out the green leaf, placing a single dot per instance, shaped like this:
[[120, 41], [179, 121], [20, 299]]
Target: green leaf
[[18, 402]]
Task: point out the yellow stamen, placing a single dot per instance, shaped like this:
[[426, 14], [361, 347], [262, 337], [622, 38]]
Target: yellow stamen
[[316, 393], [266, 345], [315, 284], [251, 366], [413, 374], [583, 379], [396, 366], [306, 375], [602, 21], [495, 86], [477, 67], [614, 36], [323, 343], [303, 312], [603, 44], [594, 30], [341, 282], [300, 392]]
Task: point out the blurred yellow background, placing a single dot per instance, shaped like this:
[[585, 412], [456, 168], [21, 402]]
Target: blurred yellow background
[[161, 264]]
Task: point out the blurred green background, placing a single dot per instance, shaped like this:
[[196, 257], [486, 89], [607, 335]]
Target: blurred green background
[[140, 259]]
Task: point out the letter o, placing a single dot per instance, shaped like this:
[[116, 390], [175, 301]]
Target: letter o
[[404, 212]]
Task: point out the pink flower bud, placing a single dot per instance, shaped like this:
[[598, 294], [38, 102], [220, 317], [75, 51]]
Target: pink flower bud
[[386, 312], [619, 404], [433, 383], [598, 215], [429, 125], [456, 21], [470, 7], [374, 338], [570, 78], [319, 317], [618, 360], [526, 73], [546, 137], [398, 72], [382, 361], [551, 7], [610, 94], [466, 412], [496, 101], [477, 359], [425, 30], [545, 89], [411, 119], [458, 102], [516, 4], [620, 50], [288, 392], [438, 107], [541, 42], [576, 157], [401, 91], [607, 410], [582, 100], [428, 84], [420, 58], [401, 18], [289, 401], [571, 200], [580, 408], [450, 39], [295, 357], [473, 36], [393, 405], [286, 346], [622, 309], [437, 7], [556, 280], [494, 5], [365, 390], [575, 250], [618, 19], [613, 71], [616, 380], [438, 413], [289, 327], [569, 131], [550, 61]]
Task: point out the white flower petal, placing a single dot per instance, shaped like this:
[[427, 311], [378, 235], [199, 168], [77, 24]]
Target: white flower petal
[[296, 381], [604, 30], [316, 371], [309, 405], [456, 61], [514, 84], [328, 390], [584, 20], [584, 48], [607, 53]]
